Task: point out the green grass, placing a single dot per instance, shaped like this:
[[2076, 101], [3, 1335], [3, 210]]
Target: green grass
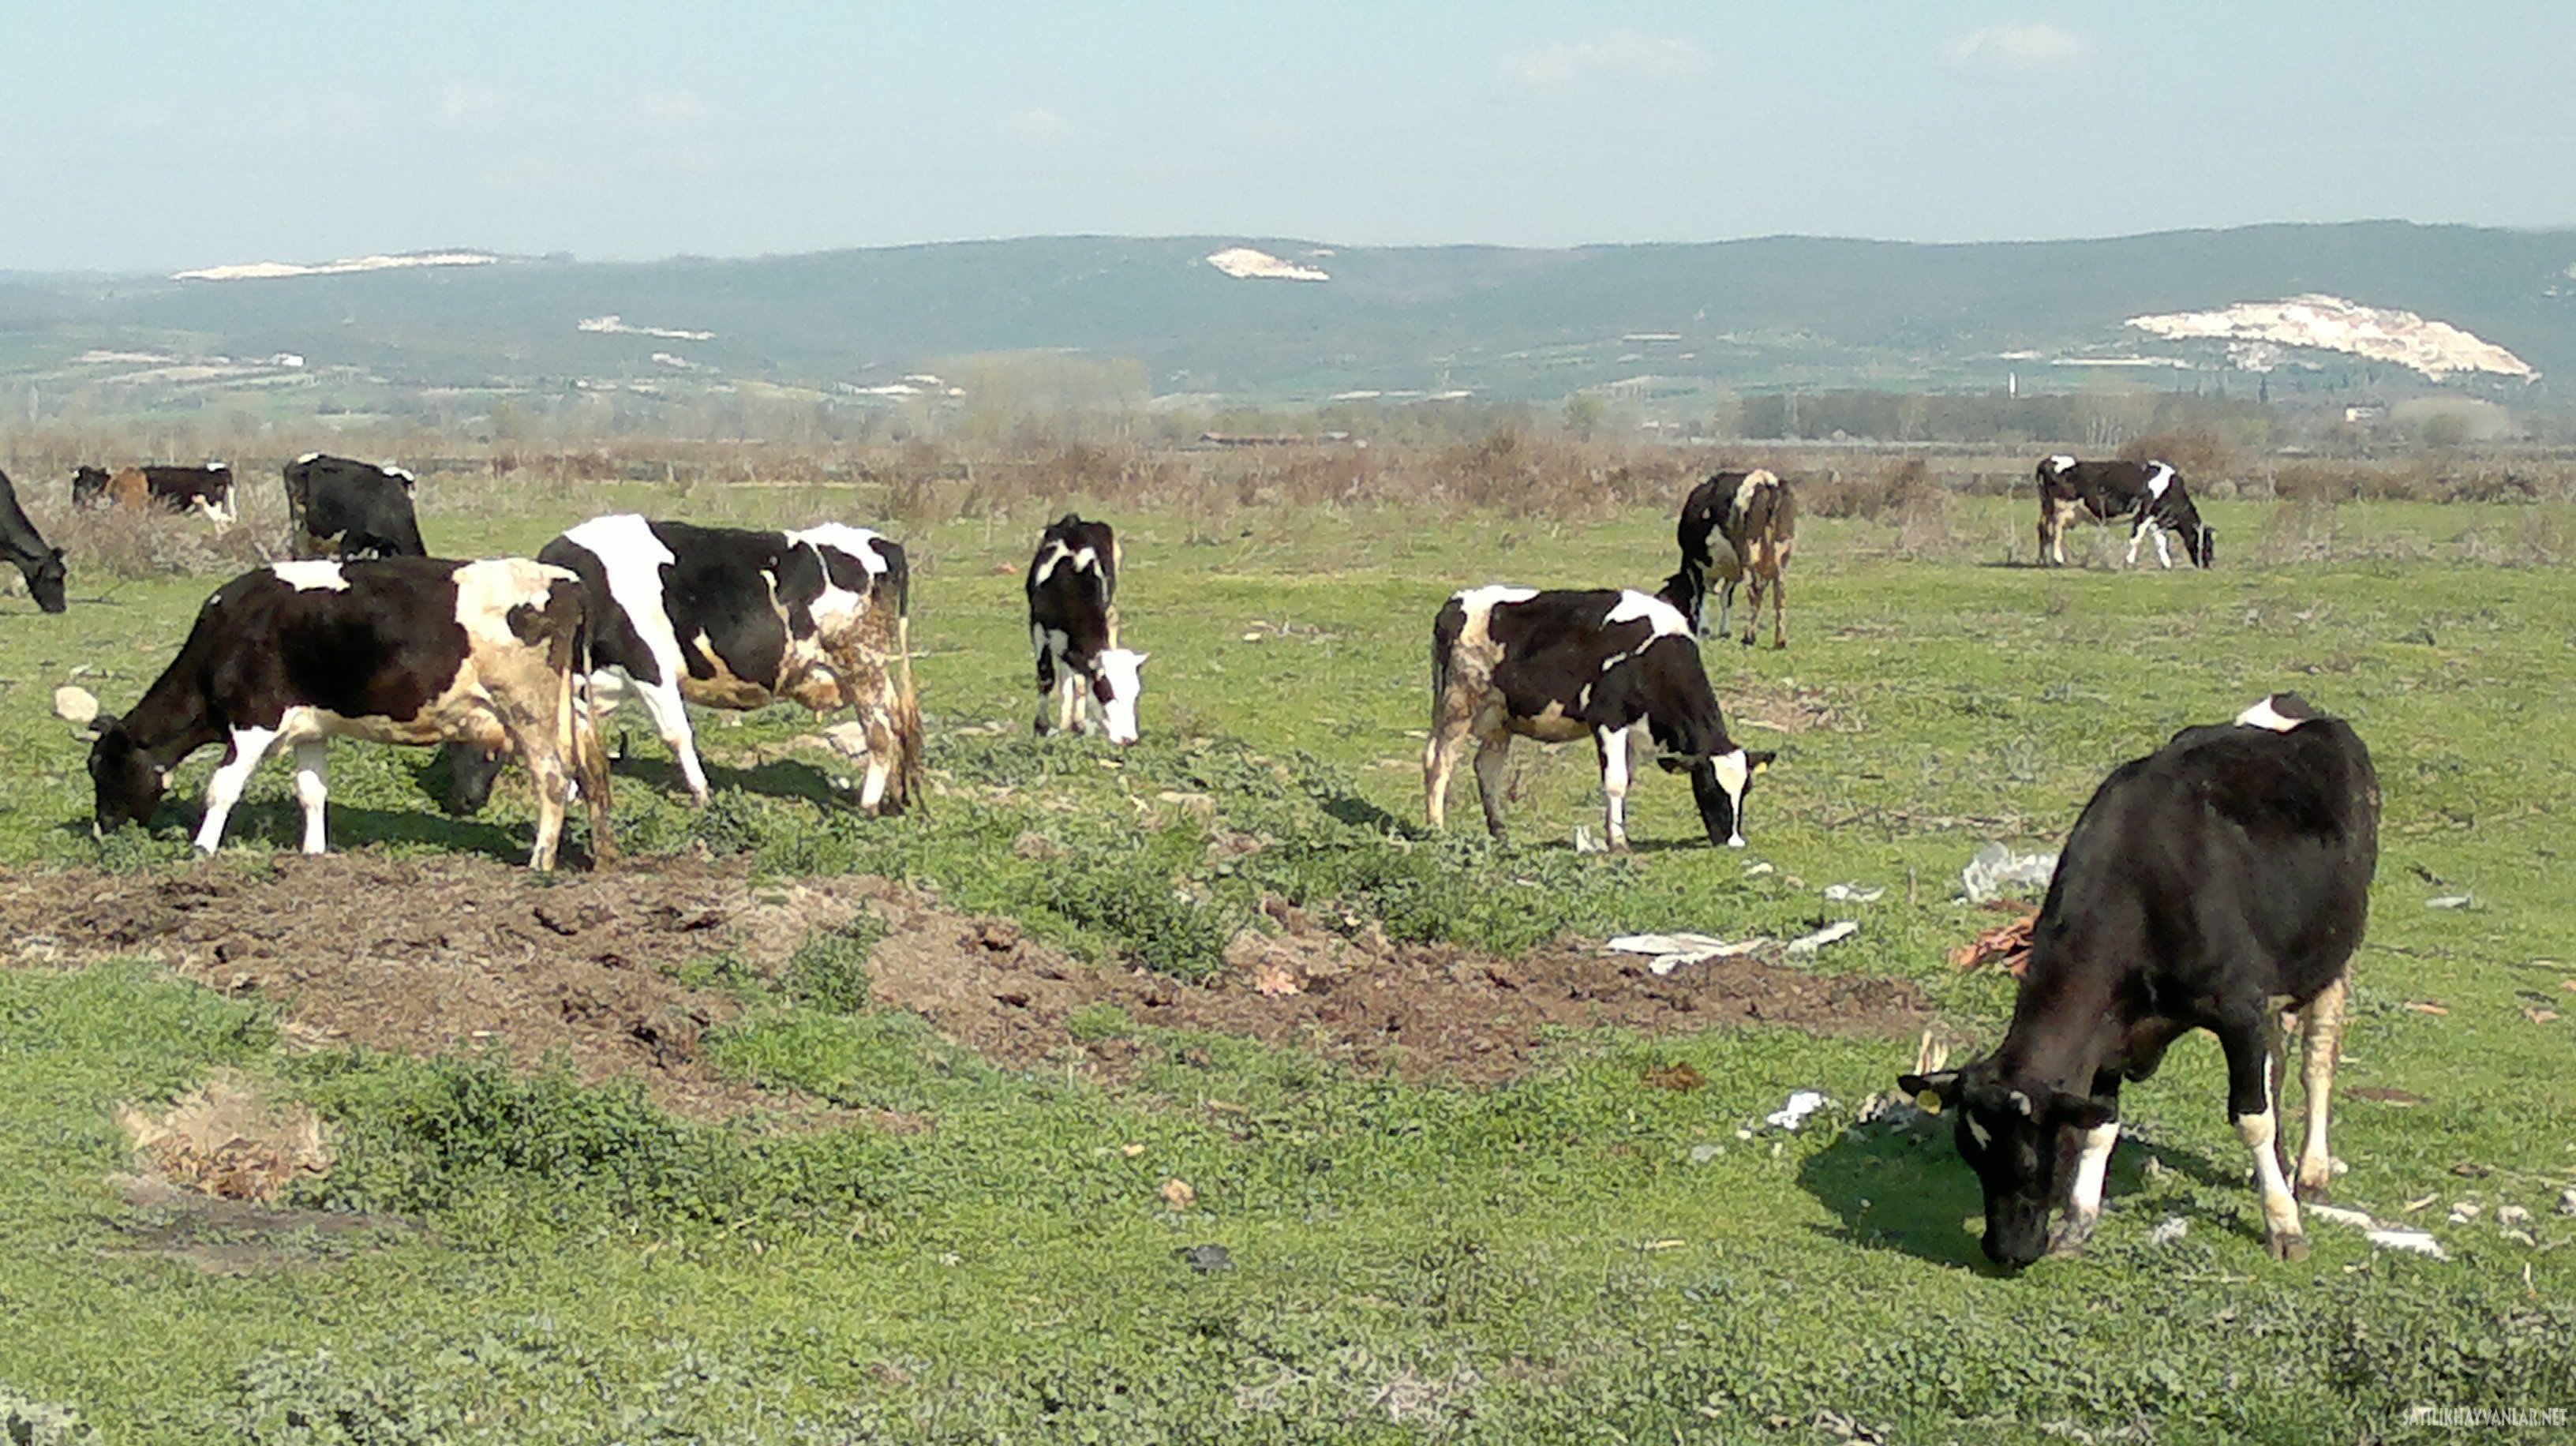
[[1571, 1256]]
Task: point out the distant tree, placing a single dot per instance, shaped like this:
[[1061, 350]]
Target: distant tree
[[1583, 414]]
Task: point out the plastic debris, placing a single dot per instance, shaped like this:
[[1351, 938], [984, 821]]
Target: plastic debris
[[1995, 869], [2007, 945], [2169, 1230], [2357, 1219], [77, 706], [2567, 1201], [1853, 894], [2451, 901], [1757, 870], [1672, 951], [1795, 1111], [1837, 930], [2417, 1242], [2511, 1215]]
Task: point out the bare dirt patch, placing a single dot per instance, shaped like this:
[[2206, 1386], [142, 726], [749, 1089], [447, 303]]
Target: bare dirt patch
[[445, 954]]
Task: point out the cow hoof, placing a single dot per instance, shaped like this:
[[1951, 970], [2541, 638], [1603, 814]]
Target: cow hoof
[[2288, 1247], [1779, 645], [2316, 1194]]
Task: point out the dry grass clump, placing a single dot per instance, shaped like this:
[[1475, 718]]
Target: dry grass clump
[[114, 543]]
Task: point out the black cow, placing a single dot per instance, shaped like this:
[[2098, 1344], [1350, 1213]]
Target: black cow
[[1073, 627], [406, 650], [343, 509], [20, 544], [1605, 664], [206, 490], [733, 618], [2150, 494], [2220, 883], [1755, 517]]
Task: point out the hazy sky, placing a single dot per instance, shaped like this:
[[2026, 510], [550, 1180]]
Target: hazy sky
[[160, 136]]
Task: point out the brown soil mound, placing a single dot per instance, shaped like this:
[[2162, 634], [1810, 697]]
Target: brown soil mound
[[440, 954]]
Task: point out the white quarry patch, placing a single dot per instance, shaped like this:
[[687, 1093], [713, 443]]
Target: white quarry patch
[[1246, 264], [270, 270], [2330, 323], [614, 325]]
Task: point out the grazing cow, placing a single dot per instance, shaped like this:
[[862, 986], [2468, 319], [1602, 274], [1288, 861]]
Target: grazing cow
[[2220, 883], [406, 650], [1755, 515], [1607, 664], [1073, 626], [206, 490], [20, 544], [344, 509], [730, 618], [2150, 494]]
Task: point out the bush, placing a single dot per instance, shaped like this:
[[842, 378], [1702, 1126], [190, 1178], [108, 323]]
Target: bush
[[830, 970]]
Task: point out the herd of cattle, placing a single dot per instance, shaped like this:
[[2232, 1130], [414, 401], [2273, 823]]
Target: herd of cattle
[[2219, 883]]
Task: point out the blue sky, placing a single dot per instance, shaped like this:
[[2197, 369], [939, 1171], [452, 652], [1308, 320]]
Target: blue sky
[[141, 136]]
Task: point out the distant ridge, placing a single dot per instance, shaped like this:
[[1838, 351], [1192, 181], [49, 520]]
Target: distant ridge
[[1657, 323]]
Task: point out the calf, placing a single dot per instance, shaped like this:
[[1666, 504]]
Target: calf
[[2220, 883], [1756, 517], [407, 650], [206, 490], [1614, 666], [20, 543], [2150, 494], [1073, 627], [344, 509], [731, 618]]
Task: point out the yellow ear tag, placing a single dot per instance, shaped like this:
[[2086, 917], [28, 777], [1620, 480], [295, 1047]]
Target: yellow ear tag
[[1929, 1102]]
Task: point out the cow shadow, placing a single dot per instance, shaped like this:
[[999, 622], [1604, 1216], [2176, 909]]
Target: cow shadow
[[660, 775], [279, 824]]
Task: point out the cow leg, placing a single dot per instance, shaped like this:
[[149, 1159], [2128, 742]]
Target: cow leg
[[1493, 755], [1780, 606], [2091, 1166], [312, 787], [249, 746], [2164, 549], [2253, 1105], [1726, 603], [2138, 532], [1439, 761], [1613, 743], [670, 717], [531, 740], [1755, 584], [2322, 1026], [1046, 677]]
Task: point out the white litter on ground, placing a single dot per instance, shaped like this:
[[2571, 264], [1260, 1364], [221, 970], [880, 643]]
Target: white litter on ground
[[1585, 843], [1837, 930], [2416, 1242], [2357, 1219], [2451, 901], [2169, 1230], [1995, 869], [1853, 894], [76, 705], [1755, 871], [1795, 1111], [1672, 951]]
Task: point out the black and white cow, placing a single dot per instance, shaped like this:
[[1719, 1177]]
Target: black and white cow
[[1073, 627], [2220, 883], [342, 509], [20, 544], [2150, 494], [207, 490], [735, 618], [1610, 665], [405, 650], [1739, 524]]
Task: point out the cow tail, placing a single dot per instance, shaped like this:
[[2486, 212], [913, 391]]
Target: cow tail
[[912, 780], [1446, 629]]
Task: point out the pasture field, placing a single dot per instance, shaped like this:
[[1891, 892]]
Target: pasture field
[[735, 1143]]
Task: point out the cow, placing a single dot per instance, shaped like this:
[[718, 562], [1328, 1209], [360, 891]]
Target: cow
[[1613, 665], [735, 618], [207, 490], [22, 545], [2220, 883], [1073, 627], [404, 650], [1756, 517], [2150, 494], [342, 509]]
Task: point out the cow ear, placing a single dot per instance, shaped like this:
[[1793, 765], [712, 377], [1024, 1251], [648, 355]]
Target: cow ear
[[1141, 659], [1931, 1091], [2082, 1111], [1760, 761]]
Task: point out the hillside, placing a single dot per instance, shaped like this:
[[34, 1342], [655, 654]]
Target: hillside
[[1664, 320]]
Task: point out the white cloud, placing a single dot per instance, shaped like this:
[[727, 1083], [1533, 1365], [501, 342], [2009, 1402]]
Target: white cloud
[[471, 107], [1621, 55], [674, 107], [2020, 49], [1034, 126]]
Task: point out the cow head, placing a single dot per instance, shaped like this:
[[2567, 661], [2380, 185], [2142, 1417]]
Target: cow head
[[89, 486], [1718, 785], [1117, 679], [129, 782], [2009, 1135], [45, 579]]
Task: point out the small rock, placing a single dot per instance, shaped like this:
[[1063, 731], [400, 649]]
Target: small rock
[[1131, 1149], [2168, 1230], [2463, 1211], [2511, 1215], [2567, 1201], [76, 706], [1179, 1195], [1206, 1259]]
